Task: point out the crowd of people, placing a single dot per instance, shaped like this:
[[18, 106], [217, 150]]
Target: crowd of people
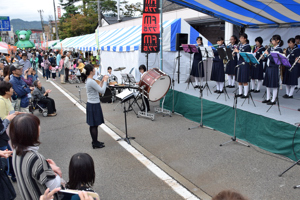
[[36, 176]]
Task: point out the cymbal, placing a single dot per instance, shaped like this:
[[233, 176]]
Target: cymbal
[[119, 68]]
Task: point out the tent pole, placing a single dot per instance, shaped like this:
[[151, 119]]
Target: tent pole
[[161, 34]]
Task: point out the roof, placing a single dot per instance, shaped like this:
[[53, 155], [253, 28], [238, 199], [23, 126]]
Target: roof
[[250, 13]]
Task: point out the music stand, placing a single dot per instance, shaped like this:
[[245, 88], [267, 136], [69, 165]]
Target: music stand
[[222, 54], [208, 53], [279, 59], [190, 48], [229, 54], [249, 58], [125, 96]]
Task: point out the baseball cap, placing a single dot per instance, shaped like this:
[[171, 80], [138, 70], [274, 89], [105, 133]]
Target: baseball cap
[[15, 65]]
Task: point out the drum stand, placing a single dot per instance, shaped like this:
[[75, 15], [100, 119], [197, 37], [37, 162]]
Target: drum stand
[[145, 113], [162, 110], [233, 139]]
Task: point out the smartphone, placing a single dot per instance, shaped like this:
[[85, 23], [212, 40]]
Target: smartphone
[[12, 112], [73, 195]]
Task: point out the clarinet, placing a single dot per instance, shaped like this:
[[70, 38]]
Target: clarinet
[[294, 64]]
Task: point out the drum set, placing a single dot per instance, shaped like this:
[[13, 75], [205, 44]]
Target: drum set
[[154, 85]]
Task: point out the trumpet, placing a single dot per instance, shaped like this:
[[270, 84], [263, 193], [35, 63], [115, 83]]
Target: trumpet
[[294, 64]]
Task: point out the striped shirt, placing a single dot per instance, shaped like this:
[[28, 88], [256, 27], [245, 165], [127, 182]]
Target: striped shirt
[[32, 172]]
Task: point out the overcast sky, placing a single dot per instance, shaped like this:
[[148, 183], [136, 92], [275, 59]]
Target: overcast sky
[[28, 10]]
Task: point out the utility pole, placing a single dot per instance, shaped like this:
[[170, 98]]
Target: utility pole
[[99, 13], [40, 11], [56, 29]]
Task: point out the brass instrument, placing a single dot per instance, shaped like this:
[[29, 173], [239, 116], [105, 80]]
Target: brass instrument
[[294, 63]]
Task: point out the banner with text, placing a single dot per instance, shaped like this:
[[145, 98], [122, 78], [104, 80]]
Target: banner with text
[[150, 27]]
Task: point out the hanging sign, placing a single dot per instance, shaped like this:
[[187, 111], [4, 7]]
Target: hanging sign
[[150, 27]]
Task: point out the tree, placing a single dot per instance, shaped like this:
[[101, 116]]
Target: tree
[[131, 9]]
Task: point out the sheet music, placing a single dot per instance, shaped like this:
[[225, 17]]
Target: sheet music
[[125, 94]]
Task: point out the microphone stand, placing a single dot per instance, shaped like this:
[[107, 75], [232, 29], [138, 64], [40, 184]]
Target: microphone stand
[[233, 139], [201, 99]]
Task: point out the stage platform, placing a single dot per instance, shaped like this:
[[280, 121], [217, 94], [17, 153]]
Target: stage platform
[[267, 130]]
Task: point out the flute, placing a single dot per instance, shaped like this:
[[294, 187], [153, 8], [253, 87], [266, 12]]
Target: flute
[[262, 55], [294, 64], [235, 48]]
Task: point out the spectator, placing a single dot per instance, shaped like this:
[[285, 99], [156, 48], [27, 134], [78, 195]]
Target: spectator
[[19, 55], [25, 62], [58, 58], [81, 162], [6, 92], [40, 60], [80, 67], [61, 69], [1, 71], [37, 172], [7, 190], [47, 65], [34, 62], [20, 87], [6, 73], [229, 195], [67, 66], [53, 71], [29, 55], [32, 73], [41, 95], [4, 143], [26, 78]]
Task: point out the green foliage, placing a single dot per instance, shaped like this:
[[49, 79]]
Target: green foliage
[[82, 19]]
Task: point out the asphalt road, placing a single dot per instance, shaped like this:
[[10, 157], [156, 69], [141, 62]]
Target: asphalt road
[[195, 155]]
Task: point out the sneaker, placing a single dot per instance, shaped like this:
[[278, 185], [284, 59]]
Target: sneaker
[[53, 79], [52, 115], [47, 81]]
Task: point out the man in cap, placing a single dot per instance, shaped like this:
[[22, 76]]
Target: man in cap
[[20, 87], [25, 62]]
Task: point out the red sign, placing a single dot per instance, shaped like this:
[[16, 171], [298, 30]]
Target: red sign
[[150, 26], [58, 12]]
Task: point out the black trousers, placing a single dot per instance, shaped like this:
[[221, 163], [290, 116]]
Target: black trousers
[[66, 74], [50, 104], [83, 77], [146, 101]]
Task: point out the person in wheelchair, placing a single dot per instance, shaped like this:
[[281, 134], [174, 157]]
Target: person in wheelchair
[[41, 96]]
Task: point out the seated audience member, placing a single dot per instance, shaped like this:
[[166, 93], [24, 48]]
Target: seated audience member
[[229, 195], [81, 162], [20, 87], [41, 95], [6, 92], [34, 173]]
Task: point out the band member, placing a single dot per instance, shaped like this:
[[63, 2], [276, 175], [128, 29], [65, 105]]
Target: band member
[[94, 115], [230, 67], [111, 77], [217, 71], [142, 69], [297, 40], [290, 78], [257, 71], [197, 67], [244, 69], [272, 71]]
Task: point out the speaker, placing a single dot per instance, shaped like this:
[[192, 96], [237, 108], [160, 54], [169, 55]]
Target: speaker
[[181, 38]]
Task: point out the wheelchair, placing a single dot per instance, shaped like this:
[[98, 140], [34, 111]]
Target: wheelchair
[[35, 105]]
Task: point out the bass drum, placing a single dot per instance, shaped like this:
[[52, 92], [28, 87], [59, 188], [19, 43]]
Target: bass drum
[[156, 84]]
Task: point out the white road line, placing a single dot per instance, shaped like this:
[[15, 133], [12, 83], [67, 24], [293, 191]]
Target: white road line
[[177, 187]]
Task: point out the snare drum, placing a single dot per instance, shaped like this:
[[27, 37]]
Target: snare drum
[[156, 84]]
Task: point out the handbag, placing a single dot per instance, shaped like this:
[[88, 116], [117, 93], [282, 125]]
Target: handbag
[[7, 190], [78, 72]]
